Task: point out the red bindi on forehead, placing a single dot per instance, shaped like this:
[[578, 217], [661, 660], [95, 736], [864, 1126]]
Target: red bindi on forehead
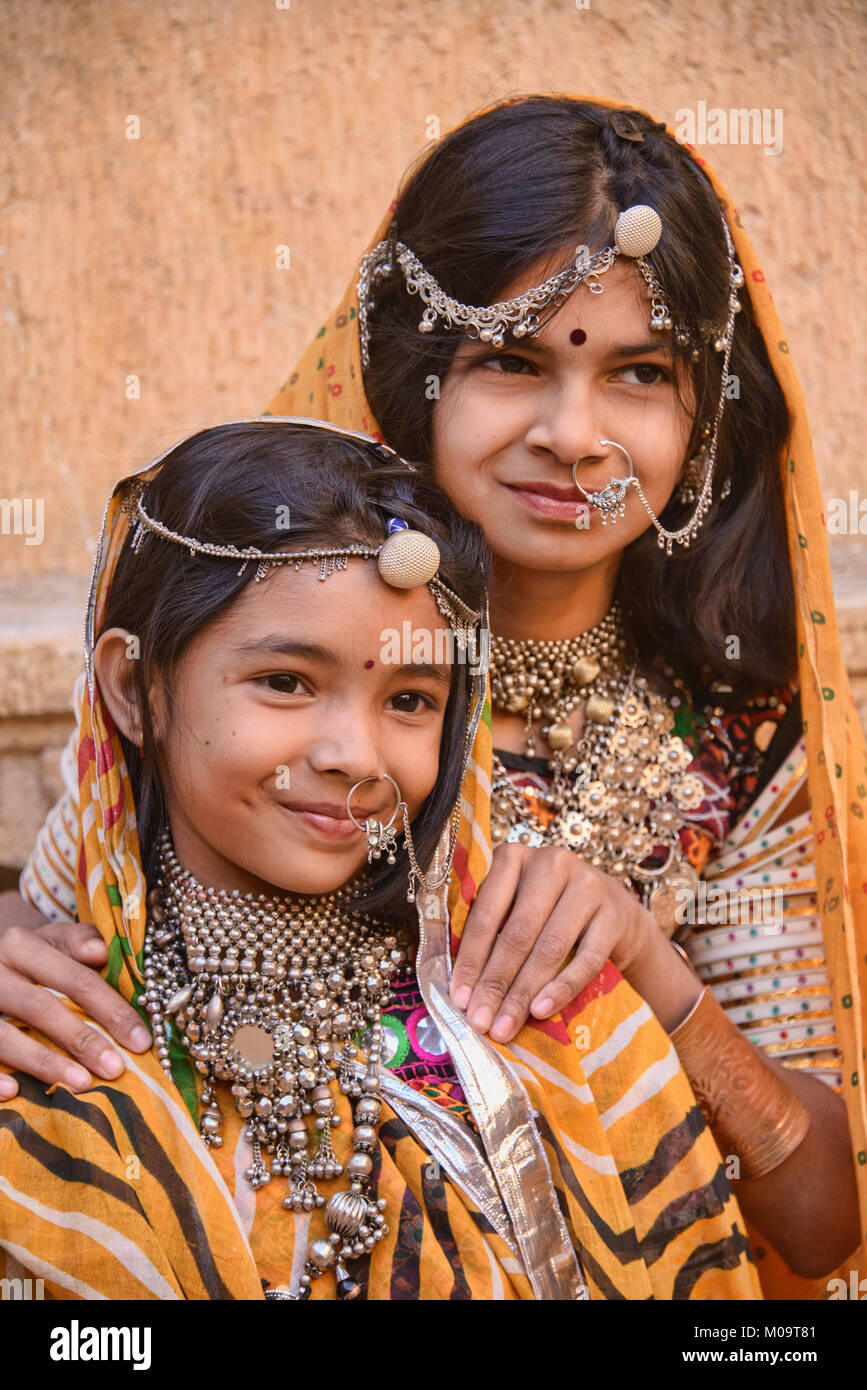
[[369, 664], [577, 336]]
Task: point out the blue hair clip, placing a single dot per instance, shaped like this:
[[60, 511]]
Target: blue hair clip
[[393, 524]]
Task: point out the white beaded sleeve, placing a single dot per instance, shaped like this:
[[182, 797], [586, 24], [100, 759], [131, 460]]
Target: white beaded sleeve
[[757, 940]]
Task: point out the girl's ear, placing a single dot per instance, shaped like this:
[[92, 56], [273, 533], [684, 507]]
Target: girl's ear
[[114, 660]]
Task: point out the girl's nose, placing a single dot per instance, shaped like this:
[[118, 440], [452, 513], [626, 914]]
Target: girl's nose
[[347, 749], [566, 425]]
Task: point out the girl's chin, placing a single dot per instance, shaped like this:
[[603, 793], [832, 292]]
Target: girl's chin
[[538, 543], [556, 550], [308, 863], [294, 865], [315, 881]]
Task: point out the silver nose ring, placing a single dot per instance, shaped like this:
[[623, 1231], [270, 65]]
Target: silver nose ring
[[610, 500], [380, 838]]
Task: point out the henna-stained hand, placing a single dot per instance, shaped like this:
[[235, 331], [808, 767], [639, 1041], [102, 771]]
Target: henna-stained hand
[[532, 909]]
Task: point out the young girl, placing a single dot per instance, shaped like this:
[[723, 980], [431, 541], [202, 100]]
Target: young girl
[[626, 367], [252, 746]]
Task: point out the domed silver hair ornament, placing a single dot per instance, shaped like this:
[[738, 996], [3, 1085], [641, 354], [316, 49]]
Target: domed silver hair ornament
[[637, 231], [408, 558]]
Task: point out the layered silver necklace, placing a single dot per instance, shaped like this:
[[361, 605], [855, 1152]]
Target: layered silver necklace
[[621, 794], [267, 994]]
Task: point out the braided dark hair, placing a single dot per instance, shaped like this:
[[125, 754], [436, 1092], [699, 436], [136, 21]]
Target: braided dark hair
[[530, 181]]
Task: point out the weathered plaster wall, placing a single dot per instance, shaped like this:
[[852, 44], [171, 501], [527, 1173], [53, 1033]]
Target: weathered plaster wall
[[263, 126]]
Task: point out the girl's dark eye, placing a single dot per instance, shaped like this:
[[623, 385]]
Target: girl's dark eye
[[410, 702], [508, 363], [648, 373], [283, 683]]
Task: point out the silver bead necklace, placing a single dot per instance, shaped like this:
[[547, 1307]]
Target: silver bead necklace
[[622, 791], [545, 680], [267, 993]]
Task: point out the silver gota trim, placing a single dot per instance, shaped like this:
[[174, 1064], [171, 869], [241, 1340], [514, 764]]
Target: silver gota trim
[[453, 1145], [505, 1118]]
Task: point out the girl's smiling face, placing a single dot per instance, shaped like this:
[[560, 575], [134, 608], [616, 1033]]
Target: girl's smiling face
[[276, 710], [510, 423]]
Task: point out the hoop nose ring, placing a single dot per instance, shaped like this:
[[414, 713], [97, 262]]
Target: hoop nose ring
[[625, 452], [610, 500], [398, 802]]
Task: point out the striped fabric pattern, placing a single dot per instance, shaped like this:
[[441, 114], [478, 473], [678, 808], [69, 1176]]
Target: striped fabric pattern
[[111, 1194], [762, 954]]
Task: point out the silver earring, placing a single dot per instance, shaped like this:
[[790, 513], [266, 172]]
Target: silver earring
[[380, 838], [609, 500], [690, 485]]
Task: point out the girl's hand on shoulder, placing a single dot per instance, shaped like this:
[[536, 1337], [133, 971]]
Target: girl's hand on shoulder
[[65, 957], [533, 909]]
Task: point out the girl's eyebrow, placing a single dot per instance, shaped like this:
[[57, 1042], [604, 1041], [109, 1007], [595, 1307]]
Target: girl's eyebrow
[[420, 668], [538, 348], [639, 349], [276, 645]]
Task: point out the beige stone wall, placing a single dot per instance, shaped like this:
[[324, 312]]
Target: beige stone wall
[[263, 126]]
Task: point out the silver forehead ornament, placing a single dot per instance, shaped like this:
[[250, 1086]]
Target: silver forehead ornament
[[637, 232], [406, 558]]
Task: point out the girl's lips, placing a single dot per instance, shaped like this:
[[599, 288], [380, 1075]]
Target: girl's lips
[[332, 827], [562, 508]]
